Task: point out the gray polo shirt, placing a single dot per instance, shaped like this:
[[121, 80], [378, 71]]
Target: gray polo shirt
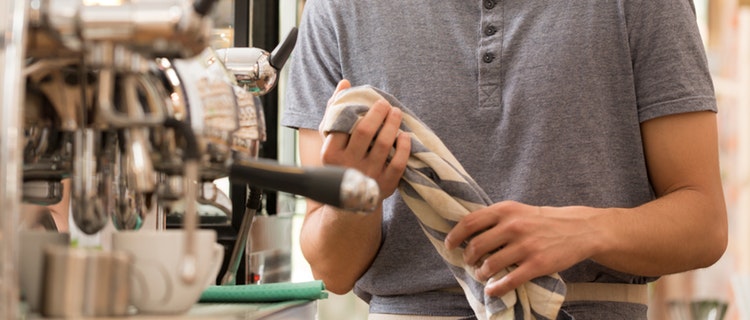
[[541, 101]]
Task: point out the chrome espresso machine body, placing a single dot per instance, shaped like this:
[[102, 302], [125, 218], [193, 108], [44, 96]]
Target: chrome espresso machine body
[[130, 103]]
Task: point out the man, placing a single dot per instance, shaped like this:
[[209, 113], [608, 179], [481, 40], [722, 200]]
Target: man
[[590, 123]]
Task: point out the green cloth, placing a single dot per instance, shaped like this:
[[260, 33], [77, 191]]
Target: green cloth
[[270, 292]]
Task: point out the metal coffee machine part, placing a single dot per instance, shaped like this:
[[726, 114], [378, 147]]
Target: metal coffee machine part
[[88, 70], [111, 152], [130, 103], [255, 69], [151, 28]]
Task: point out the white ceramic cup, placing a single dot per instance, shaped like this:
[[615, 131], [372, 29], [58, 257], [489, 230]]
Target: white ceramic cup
[[31, 261], [157, 284], [85, 283]]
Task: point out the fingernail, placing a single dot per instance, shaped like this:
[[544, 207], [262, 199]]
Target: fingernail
[[478, 271], [448, 244], [491, 286]]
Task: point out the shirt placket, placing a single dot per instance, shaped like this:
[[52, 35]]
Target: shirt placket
[[489, 54]]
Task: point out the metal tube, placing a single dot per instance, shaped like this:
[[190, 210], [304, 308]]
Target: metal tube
[[253, 206], [12, 52], [141, 169], [105, 100], [190, 221]]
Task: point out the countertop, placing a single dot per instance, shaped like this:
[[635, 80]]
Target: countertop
[[286, 310]]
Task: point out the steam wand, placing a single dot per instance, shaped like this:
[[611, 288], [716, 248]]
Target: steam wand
[[190, 221], [257, 70], [254, 198]]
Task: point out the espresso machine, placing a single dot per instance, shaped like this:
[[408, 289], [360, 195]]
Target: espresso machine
[[128, 101]]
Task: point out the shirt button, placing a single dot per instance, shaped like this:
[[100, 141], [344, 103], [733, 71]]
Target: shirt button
[[489, 4], [488, 57], [490, 30]]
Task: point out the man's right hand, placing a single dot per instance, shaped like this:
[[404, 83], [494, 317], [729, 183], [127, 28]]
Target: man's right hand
[[369, 144]]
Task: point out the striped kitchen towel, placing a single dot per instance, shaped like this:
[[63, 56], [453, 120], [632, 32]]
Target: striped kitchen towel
[[439, 191]]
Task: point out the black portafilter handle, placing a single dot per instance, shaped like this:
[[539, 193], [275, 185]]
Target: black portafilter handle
[[340, 187], [203, 7], [281, 53]]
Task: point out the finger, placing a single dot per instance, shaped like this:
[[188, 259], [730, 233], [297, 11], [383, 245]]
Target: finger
[[342, 85], [386, 137], [468, 226], [510, 281], [333, 148], [366, 129], [484, 243], [397, 165], [499, 260]]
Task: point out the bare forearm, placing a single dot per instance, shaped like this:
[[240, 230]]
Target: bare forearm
[[683, 230], [340, 245]]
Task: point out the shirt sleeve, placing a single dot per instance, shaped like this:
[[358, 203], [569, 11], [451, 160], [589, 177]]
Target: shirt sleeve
[[669, 61], [314, 68]]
